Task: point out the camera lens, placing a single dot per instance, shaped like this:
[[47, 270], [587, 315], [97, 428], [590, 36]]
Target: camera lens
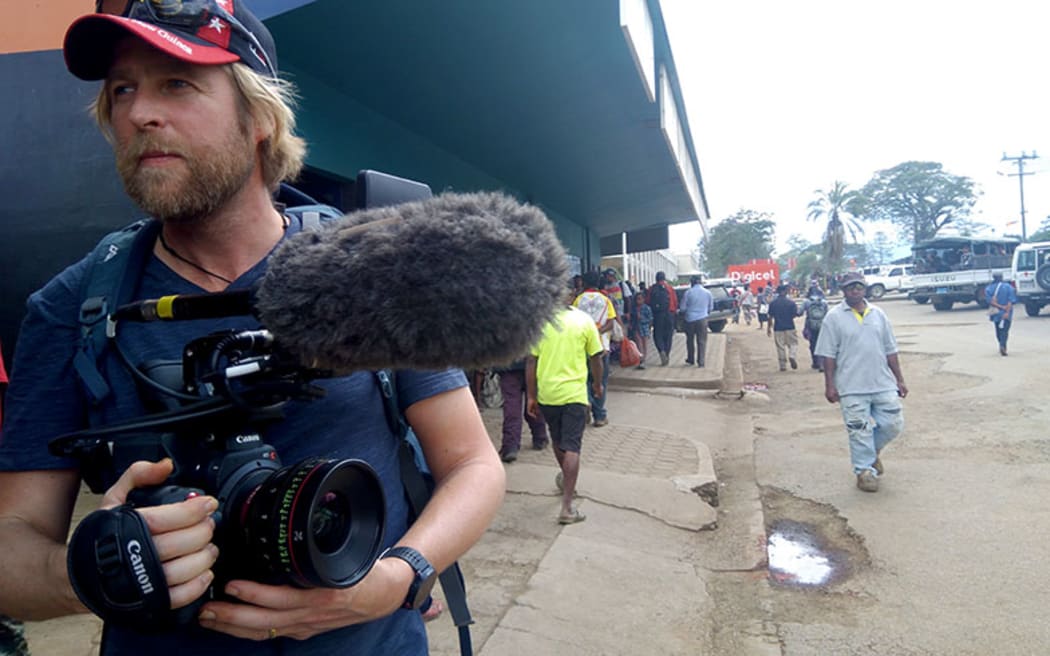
[[330, 523], [318, 523]]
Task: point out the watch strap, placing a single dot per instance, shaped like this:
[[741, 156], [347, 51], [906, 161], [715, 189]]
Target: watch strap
[[425, 574]]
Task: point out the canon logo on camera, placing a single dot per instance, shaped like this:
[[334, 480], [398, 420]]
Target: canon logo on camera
[[134, 555]]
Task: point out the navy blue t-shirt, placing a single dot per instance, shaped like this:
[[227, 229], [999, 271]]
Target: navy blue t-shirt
[[46, 400]]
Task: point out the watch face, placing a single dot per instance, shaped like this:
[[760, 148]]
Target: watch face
[[425, 586]]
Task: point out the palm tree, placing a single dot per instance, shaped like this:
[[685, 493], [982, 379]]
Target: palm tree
[[832, 204]]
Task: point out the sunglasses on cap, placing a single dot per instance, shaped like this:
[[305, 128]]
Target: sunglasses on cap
[[187, 15]]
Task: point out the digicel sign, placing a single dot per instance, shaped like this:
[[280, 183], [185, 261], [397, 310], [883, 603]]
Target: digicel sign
[[755, 274]]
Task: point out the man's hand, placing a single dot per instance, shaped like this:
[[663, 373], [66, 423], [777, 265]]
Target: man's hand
[[902, 389], [596, 387], [181, 532], [831, 394], [302, 614], [532, 408]]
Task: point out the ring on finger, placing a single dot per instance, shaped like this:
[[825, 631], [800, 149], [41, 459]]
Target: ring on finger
[[273, 632]]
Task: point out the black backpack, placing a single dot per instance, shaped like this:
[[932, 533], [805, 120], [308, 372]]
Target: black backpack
[[659, 298], [110, 282], [815, 314]]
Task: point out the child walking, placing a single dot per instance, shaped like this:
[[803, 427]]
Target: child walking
[[645, 326]]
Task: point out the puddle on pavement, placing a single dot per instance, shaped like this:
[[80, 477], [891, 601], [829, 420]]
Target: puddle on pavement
[[799, 556]]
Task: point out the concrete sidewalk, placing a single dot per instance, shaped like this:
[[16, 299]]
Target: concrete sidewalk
[[631, 578]]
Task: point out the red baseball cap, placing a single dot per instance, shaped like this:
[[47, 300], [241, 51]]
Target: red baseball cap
[[206, 32]]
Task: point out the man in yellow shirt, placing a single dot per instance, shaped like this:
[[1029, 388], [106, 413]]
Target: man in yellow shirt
[[556, 379]]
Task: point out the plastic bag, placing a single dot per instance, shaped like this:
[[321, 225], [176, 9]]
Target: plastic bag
[[630, 356]]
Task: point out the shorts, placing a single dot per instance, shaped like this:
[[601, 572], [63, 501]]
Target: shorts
[[763, 316], [566, 424]]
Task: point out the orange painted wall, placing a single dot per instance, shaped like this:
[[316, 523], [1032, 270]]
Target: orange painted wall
[[30, 25]]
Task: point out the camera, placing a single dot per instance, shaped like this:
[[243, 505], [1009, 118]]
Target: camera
[[314, 523]]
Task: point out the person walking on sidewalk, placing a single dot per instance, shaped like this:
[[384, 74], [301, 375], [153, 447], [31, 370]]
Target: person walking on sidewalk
[[862, 373], [697, 304], [664, 303], [556, 375], [644, 317], [512, 389], [762, 300], [814, 310], [1001, 299], [781, 327], [747, 304], [602, 311]]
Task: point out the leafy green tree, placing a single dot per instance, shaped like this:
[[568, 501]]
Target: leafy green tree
[[918, 197], [742, 237], [834, 206], [1043, 233], [852, 253], [808, 265], [881, 248]]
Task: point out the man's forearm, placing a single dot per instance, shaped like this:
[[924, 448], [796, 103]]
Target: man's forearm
[[829, 371], [34, 584], [895, 366]]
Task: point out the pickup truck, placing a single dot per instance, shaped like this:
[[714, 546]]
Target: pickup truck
[[888, 278], [950, 270]]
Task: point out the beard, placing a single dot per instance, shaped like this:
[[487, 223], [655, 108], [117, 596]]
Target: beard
[[212, 175]]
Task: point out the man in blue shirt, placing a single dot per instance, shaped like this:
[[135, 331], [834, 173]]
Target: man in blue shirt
[[781, 327], [697, 304], [203, 131], [1001, 298]]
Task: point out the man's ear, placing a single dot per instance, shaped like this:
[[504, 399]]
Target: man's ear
[[262, 129]]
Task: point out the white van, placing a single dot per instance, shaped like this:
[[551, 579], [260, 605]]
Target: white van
[[1031, 275]]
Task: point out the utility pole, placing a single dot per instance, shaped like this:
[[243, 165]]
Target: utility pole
[[1019, 160]]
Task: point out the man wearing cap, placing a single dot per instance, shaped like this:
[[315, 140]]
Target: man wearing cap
[[203, 133], [1001, 300], [781, 327], [862, 373]]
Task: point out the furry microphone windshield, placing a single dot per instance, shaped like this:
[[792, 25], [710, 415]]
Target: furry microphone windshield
[[459, 280]]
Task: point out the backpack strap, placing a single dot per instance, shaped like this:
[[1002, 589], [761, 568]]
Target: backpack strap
[[419, 486], [108, 284], [312, 216]]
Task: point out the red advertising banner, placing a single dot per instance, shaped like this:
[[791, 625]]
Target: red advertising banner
[[755, 274]]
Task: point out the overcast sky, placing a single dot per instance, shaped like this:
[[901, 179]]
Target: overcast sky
[[786, 97]]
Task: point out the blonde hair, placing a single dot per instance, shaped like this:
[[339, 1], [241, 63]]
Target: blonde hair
[[267, 101]]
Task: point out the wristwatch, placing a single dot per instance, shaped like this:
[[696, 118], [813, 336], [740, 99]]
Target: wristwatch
[[425, 577]]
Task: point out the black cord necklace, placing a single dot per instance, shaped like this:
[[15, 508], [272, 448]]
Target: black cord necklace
[[174, 253]]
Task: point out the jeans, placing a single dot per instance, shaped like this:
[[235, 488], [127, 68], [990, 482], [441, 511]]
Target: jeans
[[598, 405], [696, 330], [1002, 332], [663, 331], [872, 420], [512, 386]]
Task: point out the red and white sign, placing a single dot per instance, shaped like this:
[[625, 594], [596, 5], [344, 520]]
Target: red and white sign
[[755, 274]]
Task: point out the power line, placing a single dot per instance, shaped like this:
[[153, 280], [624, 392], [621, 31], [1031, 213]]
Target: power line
[[1019, 161]]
